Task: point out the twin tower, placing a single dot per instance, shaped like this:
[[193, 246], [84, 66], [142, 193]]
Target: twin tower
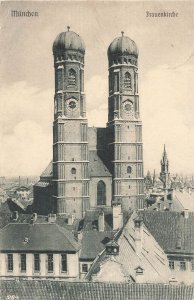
[[96, 167]]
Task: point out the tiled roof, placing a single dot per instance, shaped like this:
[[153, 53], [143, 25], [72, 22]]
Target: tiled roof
[[185, 200], [91, 219], [38, 238], [96, 166], [168, 226], [50, 290], [93, 242]]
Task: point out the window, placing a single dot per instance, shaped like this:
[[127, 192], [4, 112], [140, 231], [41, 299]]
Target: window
[[183, 266], [171, 265], [139, 270], [59, 82], [192, 265], [116, 82], [129, 169], [10, 262], [85, 268], [50, 262], [23, 262], [36, 262], [127, 80], [63, 262], [71, 77], [101, 193], [73, 171]]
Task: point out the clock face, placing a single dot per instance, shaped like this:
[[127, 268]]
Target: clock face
[[71, 104], [127, 106]]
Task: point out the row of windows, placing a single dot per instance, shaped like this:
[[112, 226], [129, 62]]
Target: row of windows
[[50, 263], [69, 57], [124, 60], [182, 265]]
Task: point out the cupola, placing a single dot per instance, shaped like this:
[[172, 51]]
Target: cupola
[[123, 45], [68, 40]]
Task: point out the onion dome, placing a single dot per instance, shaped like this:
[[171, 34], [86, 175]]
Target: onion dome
[[123, 45], [68, 40]]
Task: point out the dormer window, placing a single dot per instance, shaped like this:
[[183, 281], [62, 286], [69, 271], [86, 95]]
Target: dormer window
[[26, 240], [139, 271], [71, 77], [112, 248]]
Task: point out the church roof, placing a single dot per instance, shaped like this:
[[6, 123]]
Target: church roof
[[96, 166], [49, 290], [37, 237], [167, 227], [48, 172]]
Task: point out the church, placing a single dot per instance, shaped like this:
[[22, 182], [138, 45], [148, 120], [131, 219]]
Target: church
[[93, 167]]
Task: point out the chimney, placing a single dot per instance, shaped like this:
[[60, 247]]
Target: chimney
[[15, 215], [52, 218], [138, 226], [70, 219], [185, 213], [101, 221], [79, 235], [117, 217], [34, 217]]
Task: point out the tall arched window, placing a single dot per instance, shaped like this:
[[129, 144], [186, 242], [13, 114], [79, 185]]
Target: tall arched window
[[101, 193], [71, 77], [127, 80], [129, 169]]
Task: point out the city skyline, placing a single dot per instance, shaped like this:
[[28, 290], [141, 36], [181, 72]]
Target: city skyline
[[165, 72]]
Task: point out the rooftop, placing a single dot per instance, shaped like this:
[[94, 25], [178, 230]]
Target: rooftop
[[37, 237], [168, 226], [49, 290]]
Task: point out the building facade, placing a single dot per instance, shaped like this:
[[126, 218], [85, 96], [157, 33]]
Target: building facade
[[41, 250], [93, 167]]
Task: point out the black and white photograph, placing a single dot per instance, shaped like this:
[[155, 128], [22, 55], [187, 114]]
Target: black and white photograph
[[97, 150]]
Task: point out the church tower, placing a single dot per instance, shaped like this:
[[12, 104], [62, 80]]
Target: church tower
[[164, 174], [70, 145], [125, 148]]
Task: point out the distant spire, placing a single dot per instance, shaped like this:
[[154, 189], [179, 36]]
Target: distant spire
[[164, 156], [68, 27], [122, 32], [164, 148]]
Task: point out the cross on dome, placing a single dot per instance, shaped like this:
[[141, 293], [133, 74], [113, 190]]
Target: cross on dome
[[68, 27]]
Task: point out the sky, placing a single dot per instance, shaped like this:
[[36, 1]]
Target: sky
[[166, 68]]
